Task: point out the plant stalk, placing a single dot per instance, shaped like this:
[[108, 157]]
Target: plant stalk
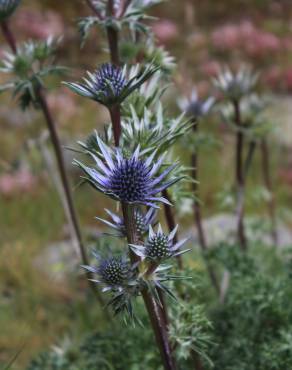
[[268, 184], [113, 36], [72, 216], [169, 216], [155, 312], [198, 217], [9, 36], [115, 114], [239, 177]]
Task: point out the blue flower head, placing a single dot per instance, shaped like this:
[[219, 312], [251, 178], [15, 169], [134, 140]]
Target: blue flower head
[[160, 246], [195, 107], [110, 84], [7, 7], [112, 272], [131, 180]]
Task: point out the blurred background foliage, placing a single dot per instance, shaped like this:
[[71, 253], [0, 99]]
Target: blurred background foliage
[[42, 300]]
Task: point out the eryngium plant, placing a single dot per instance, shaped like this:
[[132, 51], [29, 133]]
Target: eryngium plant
[[235, 85], [7, 7], [195, 107], [111, 85], [33, 62], [160, 246], [132, 180]]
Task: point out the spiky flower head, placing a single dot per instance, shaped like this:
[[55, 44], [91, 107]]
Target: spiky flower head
[[34, 61], [7, 7], [235, 85], [132, 180], [154, 128], [112, 272], [110, 85], [142, 222], [110, 81], [195, 107], [159, 245]]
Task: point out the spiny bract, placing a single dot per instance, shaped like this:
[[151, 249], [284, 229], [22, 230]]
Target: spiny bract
[[129, 180]]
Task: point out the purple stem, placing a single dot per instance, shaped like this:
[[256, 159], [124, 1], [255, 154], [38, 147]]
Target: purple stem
[[155, 312], [239, 177], [169, 216]]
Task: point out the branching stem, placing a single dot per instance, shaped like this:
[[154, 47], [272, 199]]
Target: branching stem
[[155, 312]]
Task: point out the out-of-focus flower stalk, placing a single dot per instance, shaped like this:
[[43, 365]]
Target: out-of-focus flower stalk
[[239, 177], [268, 184], [71, 214]]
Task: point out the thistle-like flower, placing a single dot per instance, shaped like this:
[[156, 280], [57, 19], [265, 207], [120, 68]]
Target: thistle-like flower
[[131, 180], [7, 7], [110, 85], [142, 222], [117, 276], [236, 85], [160, 246], [194, 107], [33, 62], [113, 272], [154, 130]]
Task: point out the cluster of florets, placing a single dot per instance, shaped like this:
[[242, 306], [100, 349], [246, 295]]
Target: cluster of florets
[[159, 246], [110, 80], [110, 85], [133, 180], [195, 107], [112, 272]]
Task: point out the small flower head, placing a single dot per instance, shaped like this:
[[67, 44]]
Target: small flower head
[[112, 272], [131, 180], [234, 86], [142, 221], [110, 81], [7, 7], [34, 61], [159, 245], [194, 107], [109, 85]]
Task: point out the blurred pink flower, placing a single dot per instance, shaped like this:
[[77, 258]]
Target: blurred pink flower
[[226, 37], [245, 36], [211, 68], [165, 30], [20, 181], [40, 25]]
